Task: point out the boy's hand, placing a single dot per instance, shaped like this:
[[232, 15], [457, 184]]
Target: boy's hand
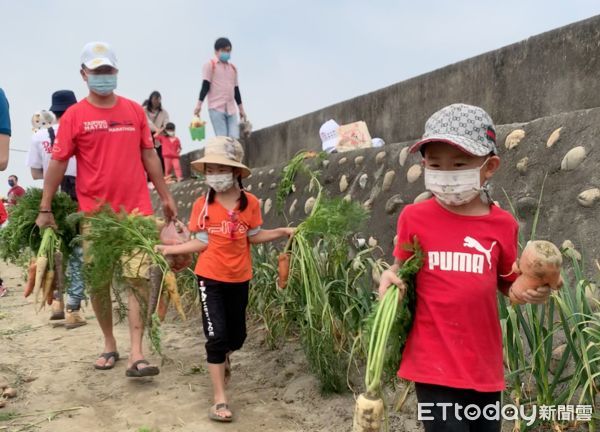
[[534, 296], [198, 108], [388, 278]]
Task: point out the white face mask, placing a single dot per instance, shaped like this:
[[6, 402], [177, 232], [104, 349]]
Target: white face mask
[[170, 133], [454, 188], [220, 182]]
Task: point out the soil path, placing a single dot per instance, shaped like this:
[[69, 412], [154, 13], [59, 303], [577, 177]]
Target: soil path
[[51, 368]]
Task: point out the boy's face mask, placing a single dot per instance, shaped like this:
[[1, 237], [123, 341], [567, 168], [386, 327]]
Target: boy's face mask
[[170, 133], [454, 188]]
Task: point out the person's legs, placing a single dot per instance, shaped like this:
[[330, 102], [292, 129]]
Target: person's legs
[[235, 314], [215, 330], [233, 126], [443, 418], [76, 289], [168, 165], [177, 167], [219, 122], [138, 290], [483, 400], [102, 305], [160, 156]]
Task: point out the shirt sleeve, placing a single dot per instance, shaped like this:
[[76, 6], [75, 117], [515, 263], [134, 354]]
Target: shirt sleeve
[[404, 238], [4, 115], [207, 71], [508, 254], [64, 145], [34, 157], [256, 217], [195, 220]]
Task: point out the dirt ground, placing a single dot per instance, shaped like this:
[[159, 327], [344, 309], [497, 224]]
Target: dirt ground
[[51, 368]]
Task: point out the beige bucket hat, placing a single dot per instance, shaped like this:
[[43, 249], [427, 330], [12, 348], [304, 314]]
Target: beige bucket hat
[[223, 151]]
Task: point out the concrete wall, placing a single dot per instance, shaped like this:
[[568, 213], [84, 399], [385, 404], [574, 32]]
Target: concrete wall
[[546, 74], [526, 167]]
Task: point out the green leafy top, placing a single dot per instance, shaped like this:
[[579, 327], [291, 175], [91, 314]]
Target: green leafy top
[[21, 231]]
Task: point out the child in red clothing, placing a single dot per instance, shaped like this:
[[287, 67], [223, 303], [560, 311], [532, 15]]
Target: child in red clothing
[[454, 349], [171, 149]]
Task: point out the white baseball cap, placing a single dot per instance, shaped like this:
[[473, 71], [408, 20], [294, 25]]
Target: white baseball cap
[[329, 135], [96, 54]]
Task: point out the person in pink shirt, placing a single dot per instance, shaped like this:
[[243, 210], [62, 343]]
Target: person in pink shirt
[[220, 85], [171, 149]]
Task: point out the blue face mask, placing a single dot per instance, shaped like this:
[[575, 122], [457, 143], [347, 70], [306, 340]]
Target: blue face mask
[[224, 56], [102, 84]]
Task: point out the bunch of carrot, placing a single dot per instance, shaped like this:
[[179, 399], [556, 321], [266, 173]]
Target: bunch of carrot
[[45, 274]]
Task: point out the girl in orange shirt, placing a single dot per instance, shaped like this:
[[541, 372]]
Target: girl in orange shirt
[[226, 222]]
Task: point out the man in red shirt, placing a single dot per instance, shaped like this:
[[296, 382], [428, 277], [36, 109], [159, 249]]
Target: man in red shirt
[[15, 191], [110, 138]]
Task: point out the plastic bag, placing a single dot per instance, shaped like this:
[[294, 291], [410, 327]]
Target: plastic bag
[[174, 233]]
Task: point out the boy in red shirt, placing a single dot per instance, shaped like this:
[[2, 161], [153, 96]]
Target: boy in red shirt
[[454, 349], [171, 149]]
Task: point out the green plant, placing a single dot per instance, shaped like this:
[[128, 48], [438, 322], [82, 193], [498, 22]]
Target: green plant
[[21, 235], [540, 371]]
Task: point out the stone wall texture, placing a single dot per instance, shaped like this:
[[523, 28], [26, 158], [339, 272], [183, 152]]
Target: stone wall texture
[[542, 91], [547, 74]]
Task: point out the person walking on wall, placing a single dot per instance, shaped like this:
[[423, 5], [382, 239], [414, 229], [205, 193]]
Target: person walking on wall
[[220, 86]]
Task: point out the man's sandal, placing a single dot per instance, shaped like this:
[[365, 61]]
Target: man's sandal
[[135, 372], [215, 409], [107, 356]]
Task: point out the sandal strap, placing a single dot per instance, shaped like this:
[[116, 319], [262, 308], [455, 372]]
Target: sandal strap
[[221, 406], [139, 362]]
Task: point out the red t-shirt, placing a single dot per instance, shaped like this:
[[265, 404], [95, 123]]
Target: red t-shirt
[[456, 340], [171, 146], [14, 193], [227, 257], [107, 143]]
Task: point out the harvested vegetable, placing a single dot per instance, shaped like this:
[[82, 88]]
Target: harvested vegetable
[[163, 306], [170, 283], [30, 277], [283, 269], [114, 236], [155, 277], [540, 265], [48, 288], [21, 235], [387, 335], [40, 272]]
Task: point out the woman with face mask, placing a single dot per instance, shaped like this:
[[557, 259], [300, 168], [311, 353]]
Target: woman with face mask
[[226, 222]]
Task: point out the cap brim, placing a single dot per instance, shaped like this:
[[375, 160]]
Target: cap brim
[[198, 164], [59, 108], [98, 62], [464, 144]]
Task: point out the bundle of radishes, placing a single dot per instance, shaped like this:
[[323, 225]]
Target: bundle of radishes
[[45, 273]]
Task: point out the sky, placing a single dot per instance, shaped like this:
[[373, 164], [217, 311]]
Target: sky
[[293, 57]]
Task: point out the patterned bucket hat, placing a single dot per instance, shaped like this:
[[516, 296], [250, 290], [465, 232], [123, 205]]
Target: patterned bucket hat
[[223, 151], [466, 127]]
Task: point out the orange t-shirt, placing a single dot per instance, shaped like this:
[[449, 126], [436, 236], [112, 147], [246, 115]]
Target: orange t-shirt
[[227, 258]]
